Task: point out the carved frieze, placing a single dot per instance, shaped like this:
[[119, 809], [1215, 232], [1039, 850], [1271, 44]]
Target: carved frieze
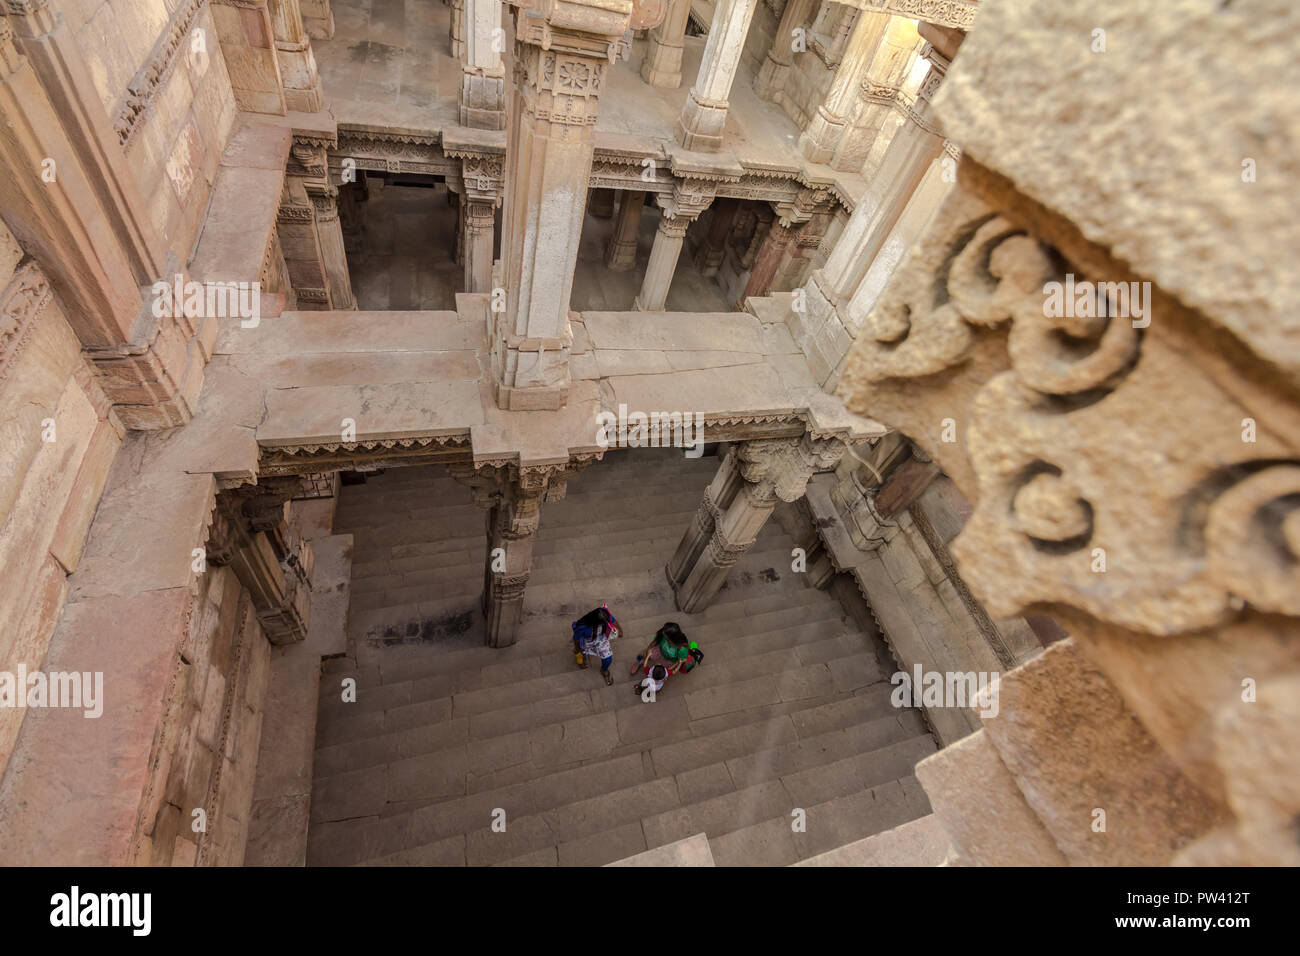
[[21, 303]]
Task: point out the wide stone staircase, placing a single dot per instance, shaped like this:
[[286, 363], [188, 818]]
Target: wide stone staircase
[[454, 753]]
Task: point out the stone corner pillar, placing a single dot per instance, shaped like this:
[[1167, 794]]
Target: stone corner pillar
[[562, 59], [483, 77], [662, 65], [298, 73], [780, 56], [704, 115], [752, 478], [829, 122]]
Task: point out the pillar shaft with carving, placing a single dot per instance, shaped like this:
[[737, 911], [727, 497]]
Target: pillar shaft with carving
[[828, 123], [780, 56], [751, 480], [298, 74], [512, 496], [483, 77], [704, 115], [621, 256], [662, 65], [561, 64]]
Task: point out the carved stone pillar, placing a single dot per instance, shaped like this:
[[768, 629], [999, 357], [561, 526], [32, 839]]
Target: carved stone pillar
[[306, 243], [252, 533], [483, 77], [769, 470], [776, 65], [819, 141], [679, 211], [561, 62], [662, 65], [456, 30], [621, 256], [709, 257], [877, 94], [669, 237], [480, 194], [790, 224], [512, 496], [910, 154], [704, 114], [247, 39], [334, 256], [298, 75]]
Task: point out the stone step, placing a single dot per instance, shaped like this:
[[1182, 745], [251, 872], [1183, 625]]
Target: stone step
[[435, 678], [845, 819], [350, 737], [602, 829], [696, 764]]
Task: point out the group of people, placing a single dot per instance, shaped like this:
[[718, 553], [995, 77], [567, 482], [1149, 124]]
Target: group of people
[[668, 653]]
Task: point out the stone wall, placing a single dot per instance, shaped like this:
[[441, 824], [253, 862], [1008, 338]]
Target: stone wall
[[161, 75], [58, 438]]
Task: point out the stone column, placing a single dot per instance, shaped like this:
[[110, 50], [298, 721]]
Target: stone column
[[483, 78], [480, 195], [910, 154], [456, 30], [298, 75], [329, 232], [679, 211], [924, 202], [714, 247], [622, 246], [769, 257], [777, 63], [770, 470], [662, 65], [252, 532], [479, 234], [512, 495], [704, 114], [601, 203], [828, 123], [663, 263], [561, 61], [877, 94]]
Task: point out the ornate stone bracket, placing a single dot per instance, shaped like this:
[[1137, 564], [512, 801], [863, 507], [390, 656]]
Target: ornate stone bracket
[[250, 533]]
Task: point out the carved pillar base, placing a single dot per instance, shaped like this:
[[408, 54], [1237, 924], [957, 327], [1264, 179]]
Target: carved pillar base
[[483, 98], [819, 140], [302, 83], [701, 124], [662, 66]]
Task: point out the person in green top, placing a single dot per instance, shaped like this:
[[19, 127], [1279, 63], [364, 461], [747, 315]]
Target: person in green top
[[670, 648]]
